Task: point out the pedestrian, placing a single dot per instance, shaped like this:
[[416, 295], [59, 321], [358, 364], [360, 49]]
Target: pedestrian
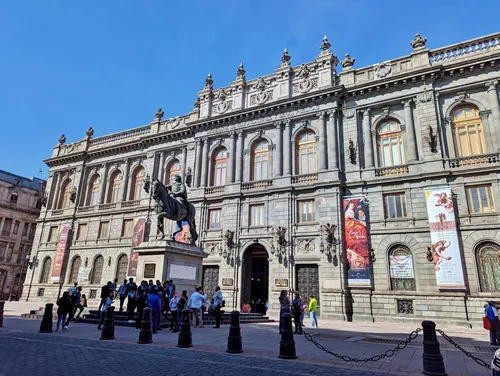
[[143, 287], [313, 307], [64, 307], [131, 284], [72, 290], [303, 309], [492, 315], [81, 306], [131, 303], [217, 306], [154, 302], [122, 292], [150, 286], [247, 308], [104, 294], [284, 306], [266, 306], [196, 302], [113, 286], [75, 301], [105, 305], [141, 303], [173, 312], [181, 306], [297, 312]]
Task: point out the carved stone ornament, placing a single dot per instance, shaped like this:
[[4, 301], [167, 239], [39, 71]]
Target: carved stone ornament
[[62, 139], [159, 114], [72, 195], [222, 106], [196, 103], [418, 42], [325, 45], [90, 132], [352, 152], [209, 81], [212, 249], [260, 84], [424, 97], [262, 95], [382, 70], [462, 96], [285, 59], [229, 239], [348, 62], [222, 94], [240, 73], [349, 112], [306, 245], [279, 235], [173, 123], [303, 71]]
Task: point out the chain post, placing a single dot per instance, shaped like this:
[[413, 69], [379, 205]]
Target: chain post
[[432, 359]]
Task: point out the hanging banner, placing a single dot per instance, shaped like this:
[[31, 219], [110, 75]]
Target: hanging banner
[[401, 266], [62, 243], [139, 228], [445, 247], [356, 242], [83, 274]]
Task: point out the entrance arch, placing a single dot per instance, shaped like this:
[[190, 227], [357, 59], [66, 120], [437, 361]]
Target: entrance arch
[[255, 277]]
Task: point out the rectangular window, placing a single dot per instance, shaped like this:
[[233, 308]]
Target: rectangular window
[[7, 227], [256, 215], [306, 211], [395, 205], [480, 199], [127, 227], [103, 230], [25, 229], [16, 227], [31, 231], [214, 218], [53, 234], [81, 234]]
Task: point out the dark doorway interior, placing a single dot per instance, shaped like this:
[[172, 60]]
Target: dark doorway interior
[[255, 278]]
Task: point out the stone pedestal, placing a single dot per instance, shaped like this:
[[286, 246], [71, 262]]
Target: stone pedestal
[[166, 260]]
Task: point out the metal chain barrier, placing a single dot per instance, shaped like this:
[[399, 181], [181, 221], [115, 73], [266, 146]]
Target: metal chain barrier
[[477, 360], [401, 345]]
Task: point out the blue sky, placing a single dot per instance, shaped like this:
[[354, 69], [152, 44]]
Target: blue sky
[[109, 64]]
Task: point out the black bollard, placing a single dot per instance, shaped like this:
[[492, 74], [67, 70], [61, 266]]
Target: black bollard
[[234, 344], [287, 343], [433, 364], [108, 330], [2, 303], [146, 333], [46, 324], [185, 337]]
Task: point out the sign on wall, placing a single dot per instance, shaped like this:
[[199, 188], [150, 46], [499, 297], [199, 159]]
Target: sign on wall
[[445, 247], [137, 239], [401, 266], [281, 282], [227, 282], [62, 243], [356, 242], [182, 272], [83, 274]]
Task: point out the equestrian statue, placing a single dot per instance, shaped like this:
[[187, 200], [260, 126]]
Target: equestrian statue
[[172, 203]]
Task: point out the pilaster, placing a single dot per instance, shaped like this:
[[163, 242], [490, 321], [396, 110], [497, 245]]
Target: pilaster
[[491, 87], [278, 155], [204, 163], [239, 156], [232, 157], [287, 149], [332, 139], [367, 138], [323, 152], [409, 135], [197, 163]]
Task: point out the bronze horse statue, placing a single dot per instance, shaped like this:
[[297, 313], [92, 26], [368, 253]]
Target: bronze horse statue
[[175, 209]]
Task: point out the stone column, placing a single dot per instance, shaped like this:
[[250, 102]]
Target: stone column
[[125, 181], [204, 163], [409, 133], [367, 138], [239, 157], [161, 166], [287, 149], [197, 163], [491, 87], [278, 155], [232, 157], [332, 140], [55, 189], [322, 150], [184, 163]]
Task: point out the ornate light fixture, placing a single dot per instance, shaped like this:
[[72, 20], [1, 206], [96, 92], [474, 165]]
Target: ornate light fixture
[[228, 244], [32, 264], [328, 236], [279, 243]]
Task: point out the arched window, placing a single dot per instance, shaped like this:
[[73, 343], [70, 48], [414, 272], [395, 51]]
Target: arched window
[[122, 268], [97, 270], [45, 274], [488, 263], [114, 187], [137, 183], [75, 267], [468, 132], [65, 194], [174, 168], [93, 193], [401, 269], [306, 152], [390, 144], [260, 158], [219, 167]]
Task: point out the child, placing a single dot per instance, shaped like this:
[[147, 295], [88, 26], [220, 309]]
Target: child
[[64, 308], [107, 303]]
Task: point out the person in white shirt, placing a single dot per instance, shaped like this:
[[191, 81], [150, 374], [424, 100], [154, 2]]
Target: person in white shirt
[[173, 311], [217, 306], [196, 301]]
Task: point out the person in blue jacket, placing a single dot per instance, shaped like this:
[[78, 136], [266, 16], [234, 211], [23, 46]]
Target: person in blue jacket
[[154, 302]]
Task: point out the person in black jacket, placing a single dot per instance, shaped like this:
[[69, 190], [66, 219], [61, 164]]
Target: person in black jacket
[[64, 308], [105, 290], [141, 304]]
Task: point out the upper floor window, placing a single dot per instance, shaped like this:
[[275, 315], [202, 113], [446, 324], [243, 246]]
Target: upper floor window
[[127, 228], [219, 169], [137, 183], [45, 274], [103, 230], [7, 226], [25, 229], [16, 227], [93, 194], [65, 195], [468, 133], [53, 233], [81, 234], [214, 219], [306, 152], [260, 158], [13, 197], [174, 168], [306, 211], [114, 187], [480, 199], [257, 215], [390, 144], [395, 205]]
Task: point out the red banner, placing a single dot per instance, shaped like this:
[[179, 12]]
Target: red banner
[[62, 243], [137, 239]]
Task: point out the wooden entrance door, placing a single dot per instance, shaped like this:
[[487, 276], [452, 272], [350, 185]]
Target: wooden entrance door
[[210, 280], [307, 277]]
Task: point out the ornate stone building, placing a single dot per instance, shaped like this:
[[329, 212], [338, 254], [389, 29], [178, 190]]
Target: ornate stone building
[[20, 203], [272, 160]]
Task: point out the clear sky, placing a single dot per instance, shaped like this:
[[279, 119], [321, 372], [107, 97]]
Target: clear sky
[[66, 65]]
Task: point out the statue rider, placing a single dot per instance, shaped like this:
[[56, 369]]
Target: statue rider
[[178, 190]]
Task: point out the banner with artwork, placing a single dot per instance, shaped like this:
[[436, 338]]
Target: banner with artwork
[[356, 242], [62, 243], [444, 239], [182, 235], [401, 266], [139, 228], [83, 274]]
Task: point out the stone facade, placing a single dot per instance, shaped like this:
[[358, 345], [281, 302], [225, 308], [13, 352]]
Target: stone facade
[[272, 158], [20, 203]]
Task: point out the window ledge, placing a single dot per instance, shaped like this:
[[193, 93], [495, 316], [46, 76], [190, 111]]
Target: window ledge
[[257, 226], [314, 223], [397, 219]]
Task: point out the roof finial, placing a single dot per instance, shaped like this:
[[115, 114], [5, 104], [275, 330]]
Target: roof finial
[[209, 81], [159, 114], [418, 42], [90, 132], [285, 58], [62, 139], [241, 71], [326, 44]]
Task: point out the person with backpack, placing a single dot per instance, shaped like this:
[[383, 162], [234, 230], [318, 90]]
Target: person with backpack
[[297, 312], [64, 307], [122, 292]]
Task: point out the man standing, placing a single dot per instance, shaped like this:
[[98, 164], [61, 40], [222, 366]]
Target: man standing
[[196, 301], [105, 290], [217, 306], [313, 307], [122, 292], [154, 302], [492, 315]]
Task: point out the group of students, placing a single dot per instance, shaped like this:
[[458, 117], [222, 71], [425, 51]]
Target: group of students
[[297, 309], [71, 301]]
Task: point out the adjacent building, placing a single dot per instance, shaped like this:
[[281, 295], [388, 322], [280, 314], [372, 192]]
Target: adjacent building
[[20, 203], [373, 189]]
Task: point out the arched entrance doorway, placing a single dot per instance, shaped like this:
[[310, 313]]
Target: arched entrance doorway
[[255, 278]]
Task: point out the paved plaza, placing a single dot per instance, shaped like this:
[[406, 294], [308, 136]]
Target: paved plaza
[[24, 351]]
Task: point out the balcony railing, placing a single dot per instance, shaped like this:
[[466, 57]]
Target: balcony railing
[[475, 160], [86, 209], [214, 190], [129, 204], [58, 212], [107, 206], [5, 233], [120, 136], [303, 179], [259, 184], [390, 171]]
